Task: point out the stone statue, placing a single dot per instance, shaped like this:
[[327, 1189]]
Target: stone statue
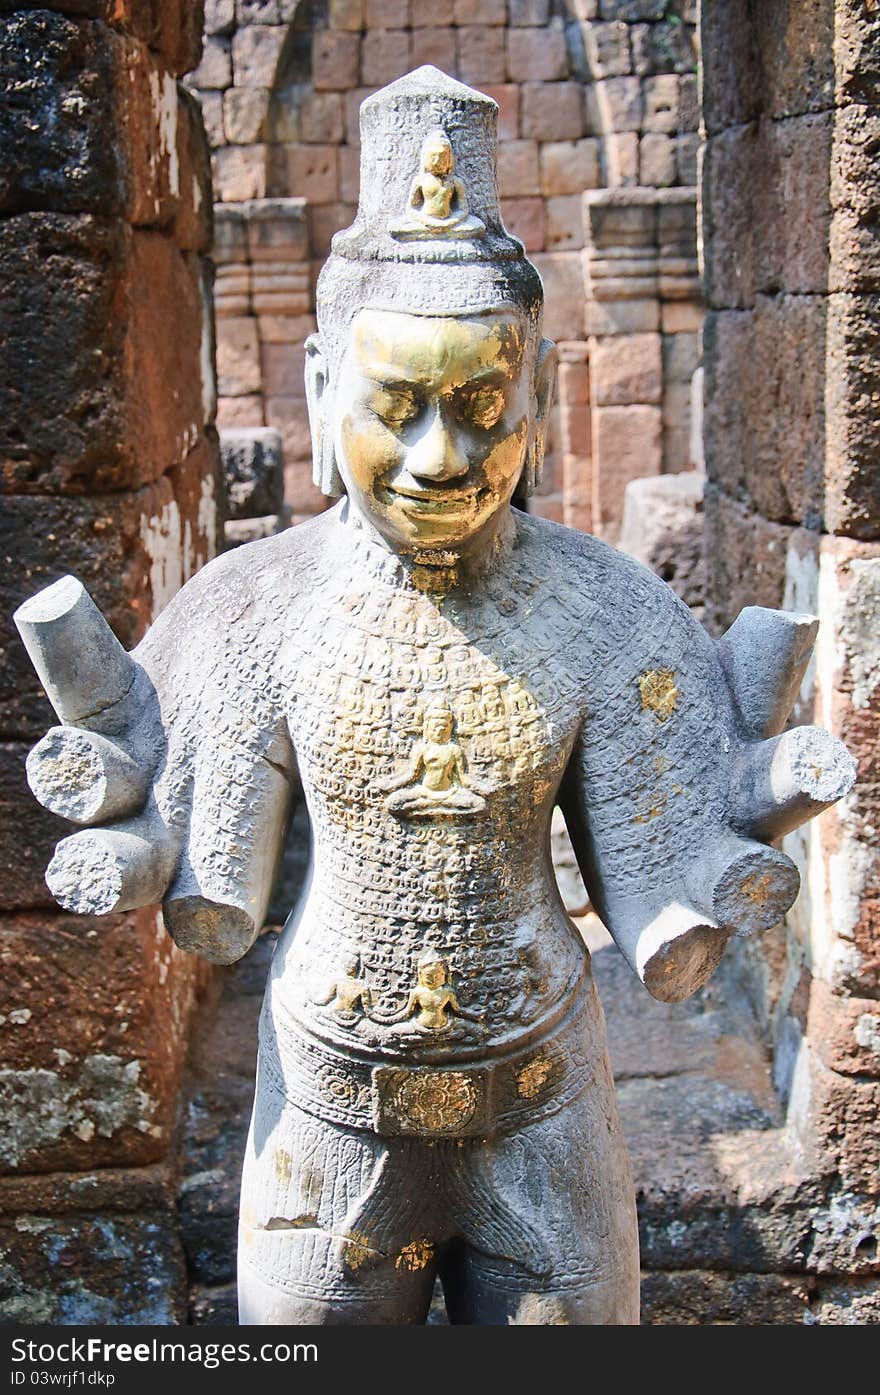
[[439, 670]]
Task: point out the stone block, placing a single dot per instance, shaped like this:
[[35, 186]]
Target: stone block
[[747, 559], [346, 14], [657, 166], [245, 114], [276, 231], [313, 172], [211, 104], [528, 12], [661, 103], [851, 387], [574, 378], [663, 527], [92, 123], [28, 834], [335, 60], [607, 48], [386, 54], [518, 169], [681, 357], [322, 118], [632, 9], [288, 415], [677, 407], [845, 1303], [387, 14], [93, 1269], [552, 111], [480, 12], [425, 12], [481, 54], [699, 1297], [434, 45], [615, 104], [730, 54], [565, 224], [286, 329], [239, 411], [253, 467], [325, 220], [238, 356], [620, 160], [667, 47], [626, 446], [84, 300], [537, 54], [682, 317], [352, 115], [258, 12], [525, 219], [563, 281], [90, 1076], [844, 1031], [219, 16], [240, 172], [506, 94], [255, 53], [128, 551], [764, 426], [626, 368], [569, 167], [283, 374], [349, 174], [215, 68], [603, 317]]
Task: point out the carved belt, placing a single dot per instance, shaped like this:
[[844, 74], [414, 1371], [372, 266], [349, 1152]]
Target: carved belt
[[498, 1096]]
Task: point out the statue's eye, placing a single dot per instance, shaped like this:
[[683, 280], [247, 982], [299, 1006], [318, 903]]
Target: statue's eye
[[396, 406], [483, 406]]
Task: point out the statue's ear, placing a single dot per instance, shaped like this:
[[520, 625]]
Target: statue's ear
[[324, 471], [544, 386]]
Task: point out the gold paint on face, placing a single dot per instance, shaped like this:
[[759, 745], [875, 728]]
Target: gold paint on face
[[432, 975], [432, 422]]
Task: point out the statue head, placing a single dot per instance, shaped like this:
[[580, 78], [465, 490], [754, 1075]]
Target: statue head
[[432, 969], [429, 383], [437, 157], [439, 722]]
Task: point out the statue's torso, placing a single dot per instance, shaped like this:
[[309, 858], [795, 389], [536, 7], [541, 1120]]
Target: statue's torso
[[462, 870]]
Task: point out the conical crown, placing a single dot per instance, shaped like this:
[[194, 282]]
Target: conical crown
[[428, 235]]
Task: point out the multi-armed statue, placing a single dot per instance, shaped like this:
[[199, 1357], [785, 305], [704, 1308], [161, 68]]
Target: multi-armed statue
[[438, 670]]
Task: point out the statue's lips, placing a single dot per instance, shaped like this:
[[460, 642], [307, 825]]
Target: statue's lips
[[432, 500]]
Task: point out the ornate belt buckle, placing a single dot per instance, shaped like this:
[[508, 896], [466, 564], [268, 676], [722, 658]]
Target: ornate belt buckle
[[428, 1102]]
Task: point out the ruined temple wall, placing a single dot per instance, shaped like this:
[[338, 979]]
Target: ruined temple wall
[[108, 469], [790, 200], [595, 95]]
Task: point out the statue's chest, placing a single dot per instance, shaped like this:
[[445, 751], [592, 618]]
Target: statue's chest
[[387, 690]]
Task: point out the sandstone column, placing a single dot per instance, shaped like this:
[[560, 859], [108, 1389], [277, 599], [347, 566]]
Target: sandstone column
[[108, 469]]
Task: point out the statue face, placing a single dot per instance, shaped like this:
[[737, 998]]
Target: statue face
[[431, 422], [438, 160], [438, 726], [432, 975]]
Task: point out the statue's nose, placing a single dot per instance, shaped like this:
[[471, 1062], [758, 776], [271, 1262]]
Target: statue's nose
[[437, 455]]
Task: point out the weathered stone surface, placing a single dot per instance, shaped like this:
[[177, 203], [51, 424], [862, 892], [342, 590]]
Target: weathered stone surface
[[626, 368], [694, 1297], [663, 527], [87, 1081], [132, 551], [85, 299], [91, 122], [765, 417], [849, 1304], [748, 555], [87, 1270], [253, 464]]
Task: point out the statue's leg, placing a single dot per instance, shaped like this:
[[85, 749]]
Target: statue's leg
[[305, 1254], [573, 1255]]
